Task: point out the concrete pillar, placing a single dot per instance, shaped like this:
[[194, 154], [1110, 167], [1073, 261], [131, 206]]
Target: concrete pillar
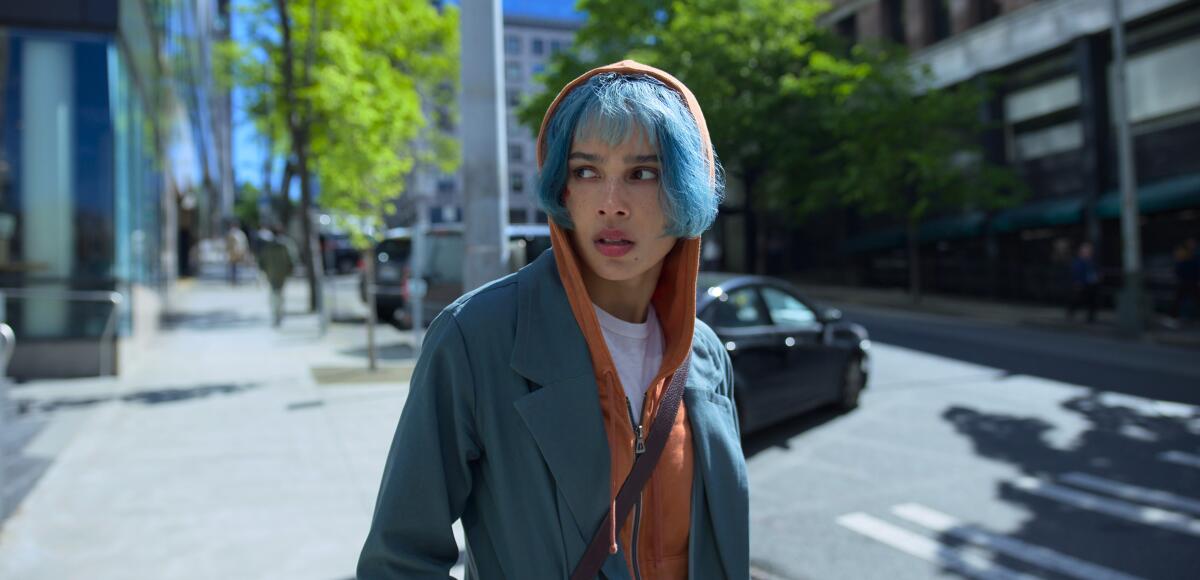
[[1091, 57], [870, 23], [485, 159]]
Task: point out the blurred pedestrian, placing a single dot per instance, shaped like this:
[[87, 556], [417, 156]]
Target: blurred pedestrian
[[236, 246], [1085, 283], [536, 397], [1187, 280], [277, 261]]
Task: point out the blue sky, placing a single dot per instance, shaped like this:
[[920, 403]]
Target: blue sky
[[248, 145]]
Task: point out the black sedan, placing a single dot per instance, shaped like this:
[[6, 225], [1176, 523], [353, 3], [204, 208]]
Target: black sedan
[[789, 355]]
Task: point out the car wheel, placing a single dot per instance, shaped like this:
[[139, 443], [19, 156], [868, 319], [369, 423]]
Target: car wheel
[[853, 380]]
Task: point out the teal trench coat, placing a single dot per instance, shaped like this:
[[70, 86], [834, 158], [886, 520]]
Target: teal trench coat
[[503, 429]]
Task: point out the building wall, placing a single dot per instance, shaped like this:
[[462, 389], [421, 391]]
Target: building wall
[[528, 45], [85, 154], [1050, 66]]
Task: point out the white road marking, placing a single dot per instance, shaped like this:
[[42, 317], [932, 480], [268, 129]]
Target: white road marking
[[1033, 554], [1132, 492], [1167, 520], [1181, 458], [967, 561], [1149, 406]]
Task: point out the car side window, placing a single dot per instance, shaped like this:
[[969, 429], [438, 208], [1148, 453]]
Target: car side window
[[787, 310], [740, 308]]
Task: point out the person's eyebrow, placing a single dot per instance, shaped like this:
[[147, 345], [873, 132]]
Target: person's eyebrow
[[641, 159], [584, 156]]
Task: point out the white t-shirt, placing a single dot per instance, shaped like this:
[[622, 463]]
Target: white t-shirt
[[637, 351]]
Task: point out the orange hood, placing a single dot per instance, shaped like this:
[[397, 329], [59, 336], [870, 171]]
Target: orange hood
[[664, 539], [675, 296]]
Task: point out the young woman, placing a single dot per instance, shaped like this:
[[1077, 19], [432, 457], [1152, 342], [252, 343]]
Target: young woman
[[535, 393]]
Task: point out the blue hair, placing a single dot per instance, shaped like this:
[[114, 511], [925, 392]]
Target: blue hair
[[616, 107]]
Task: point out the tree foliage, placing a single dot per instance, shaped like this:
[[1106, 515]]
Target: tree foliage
[[371, 82], [802, 120]]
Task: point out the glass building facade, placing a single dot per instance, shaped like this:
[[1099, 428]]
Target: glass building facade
[[94, 154]]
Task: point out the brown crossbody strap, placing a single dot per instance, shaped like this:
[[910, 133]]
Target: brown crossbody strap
[[604, 540]]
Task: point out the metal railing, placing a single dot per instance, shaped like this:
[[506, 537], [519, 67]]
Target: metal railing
[[110, 324]]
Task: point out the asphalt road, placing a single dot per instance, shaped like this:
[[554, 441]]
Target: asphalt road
[[988, 451]]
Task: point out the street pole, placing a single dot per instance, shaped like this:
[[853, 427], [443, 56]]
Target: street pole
[[416, 280], [1129, 306], [485, 165]]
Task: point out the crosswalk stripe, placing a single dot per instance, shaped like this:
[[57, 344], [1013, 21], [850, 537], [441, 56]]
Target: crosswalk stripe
[[1181, 458], [1132, 492], [1033, 554], [1150, 516], [964, 561], [1148, 406]]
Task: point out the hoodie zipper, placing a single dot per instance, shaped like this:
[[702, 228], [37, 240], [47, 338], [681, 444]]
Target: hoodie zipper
[[639, 447]]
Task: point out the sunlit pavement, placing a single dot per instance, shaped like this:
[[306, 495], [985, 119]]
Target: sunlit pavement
[[238, 451], [219, 457], [986, 468]]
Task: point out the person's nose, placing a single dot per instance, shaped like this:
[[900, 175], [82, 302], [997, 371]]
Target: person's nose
[[615, 202]]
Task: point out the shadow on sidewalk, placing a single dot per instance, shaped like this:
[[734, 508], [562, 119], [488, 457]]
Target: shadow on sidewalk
[[394, 351], [211, 320], [145, 397]]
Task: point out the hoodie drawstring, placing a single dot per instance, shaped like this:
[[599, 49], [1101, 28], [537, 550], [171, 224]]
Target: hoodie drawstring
[[612, 528]]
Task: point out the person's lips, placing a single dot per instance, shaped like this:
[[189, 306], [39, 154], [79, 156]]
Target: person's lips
[[613, 243]]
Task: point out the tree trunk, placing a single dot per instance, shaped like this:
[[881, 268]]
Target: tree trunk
[[298, 130], [754, 258], [914, 261]]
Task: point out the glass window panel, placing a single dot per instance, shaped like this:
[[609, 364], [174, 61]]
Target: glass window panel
[[786, 309], [1155, 84], [740, 308], [1048, 141], [1042, 99]]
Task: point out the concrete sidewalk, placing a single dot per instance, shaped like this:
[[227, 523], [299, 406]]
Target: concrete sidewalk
[[223, 455], [1163, 330]]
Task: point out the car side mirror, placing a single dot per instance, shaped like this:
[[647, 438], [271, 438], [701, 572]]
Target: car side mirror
[[830, 314]]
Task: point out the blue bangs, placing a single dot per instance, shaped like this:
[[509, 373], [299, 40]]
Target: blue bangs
[[617, 107]]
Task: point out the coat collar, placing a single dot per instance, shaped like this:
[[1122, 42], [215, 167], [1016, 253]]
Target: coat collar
[[562, 412]]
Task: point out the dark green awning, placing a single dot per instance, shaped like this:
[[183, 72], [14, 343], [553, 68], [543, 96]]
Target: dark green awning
[[1050, 212], [1176, 193]]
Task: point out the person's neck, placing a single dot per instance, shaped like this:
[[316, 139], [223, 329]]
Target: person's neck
[[628, 300]]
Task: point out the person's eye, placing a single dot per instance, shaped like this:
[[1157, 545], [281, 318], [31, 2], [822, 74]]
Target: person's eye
[[584, 172], [645, 174]]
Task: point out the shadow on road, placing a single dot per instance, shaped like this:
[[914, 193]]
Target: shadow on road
[[781, 434], [1068, 486]]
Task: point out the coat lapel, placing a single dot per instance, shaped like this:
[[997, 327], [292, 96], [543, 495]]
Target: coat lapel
[[562, 412]]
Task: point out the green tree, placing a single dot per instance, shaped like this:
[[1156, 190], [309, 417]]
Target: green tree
[[344, 90], [910, 153], [800, 121]]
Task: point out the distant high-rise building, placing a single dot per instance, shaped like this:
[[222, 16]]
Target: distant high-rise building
[[528, 43]]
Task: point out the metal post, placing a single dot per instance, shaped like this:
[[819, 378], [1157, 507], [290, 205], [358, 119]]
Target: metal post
[[369, 284], [417, 283], [485, 165], [1129, 307]]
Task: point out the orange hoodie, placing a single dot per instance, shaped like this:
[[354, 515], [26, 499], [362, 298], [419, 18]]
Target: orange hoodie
[[667, 498]]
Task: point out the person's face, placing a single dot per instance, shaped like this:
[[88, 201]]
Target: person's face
[[612, 195]]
